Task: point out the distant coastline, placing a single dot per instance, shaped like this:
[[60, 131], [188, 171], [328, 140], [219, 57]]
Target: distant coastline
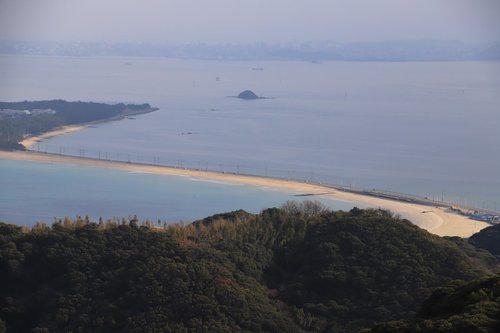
[[29, 141], [24, 123], [437, 220], [311, 51]]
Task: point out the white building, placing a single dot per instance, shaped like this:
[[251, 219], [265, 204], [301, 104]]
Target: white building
[[10, 112], [36, 112]]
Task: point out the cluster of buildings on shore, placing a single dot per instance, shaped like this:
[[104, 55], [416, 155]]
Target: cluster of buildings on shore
[[18, 113], [484, 216], [491, 218]]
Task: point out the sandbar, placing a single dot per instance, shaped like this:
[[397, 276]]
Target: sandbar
[[436, 220]]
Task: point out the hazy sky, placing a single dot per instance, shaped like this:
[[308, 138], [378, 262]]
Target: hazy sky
[[247, 21]]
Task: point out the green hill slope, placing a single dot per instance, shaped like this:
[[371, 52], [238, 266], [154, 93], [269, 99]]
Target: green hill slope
[[488, 239], [460, 307], [354, 269], [126, 279], [298, 268]]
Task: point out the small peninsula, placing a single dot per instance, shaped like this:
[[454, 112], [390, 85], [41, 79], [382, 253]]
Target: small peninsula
[[20, 120]]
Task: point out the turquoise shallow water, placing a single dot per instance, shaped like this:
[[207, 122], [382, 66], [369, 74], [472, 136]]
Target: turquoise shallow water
[[33, 192]]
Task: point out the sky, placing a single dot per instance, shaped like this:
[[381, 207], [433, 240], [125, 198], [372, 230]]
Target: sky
[[249, 21]]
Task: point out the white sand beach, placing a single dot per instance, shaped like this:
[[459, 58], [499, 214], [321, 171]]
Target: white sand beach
[[29, 142], [438, 221]]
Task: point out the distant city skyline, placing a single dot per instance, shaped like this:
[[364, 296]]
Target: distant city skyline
[[236, 21], [422, 50]]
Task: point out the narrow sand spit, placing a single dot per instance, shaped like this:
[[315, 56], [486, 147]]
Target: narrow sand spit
[[435, 220]]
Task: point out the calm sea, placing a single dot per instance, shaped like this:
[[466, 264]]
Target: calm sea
[[423, 128], [39, 192]]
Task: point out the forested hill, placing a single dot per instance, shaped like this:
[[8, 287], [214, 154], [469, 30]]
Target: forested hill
[[35, 117], [472, 307], [488, 239], [293, 269]]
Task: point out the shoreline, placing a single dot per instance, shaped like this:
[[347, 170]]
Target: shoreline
[[436, 220], [30, 141]]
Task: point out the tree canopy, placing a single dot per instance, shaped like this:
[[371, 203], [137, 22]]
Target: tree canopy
[[488, 239], [459, 307], [296, 268]]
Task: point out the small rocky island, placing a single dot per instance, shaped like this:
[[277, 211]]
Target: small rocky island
[[248, 94]]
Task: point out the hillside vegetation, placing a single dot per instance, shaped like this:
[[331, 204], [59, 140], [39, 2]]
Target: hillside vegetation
[[293, 269], [472, 307], [488, 239]]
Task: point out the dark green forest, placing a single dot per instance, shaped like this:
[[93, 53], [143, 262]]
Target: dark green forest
[[14, 128], [472, 307], [298, 268], [488, 239]]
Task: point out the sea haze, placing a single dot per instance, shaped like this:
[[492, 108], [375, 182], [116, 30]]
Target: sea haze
[[423, 128]]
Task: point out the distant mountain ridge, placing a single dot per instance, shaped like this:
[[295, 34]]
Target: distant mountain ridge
[[401, 50]]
